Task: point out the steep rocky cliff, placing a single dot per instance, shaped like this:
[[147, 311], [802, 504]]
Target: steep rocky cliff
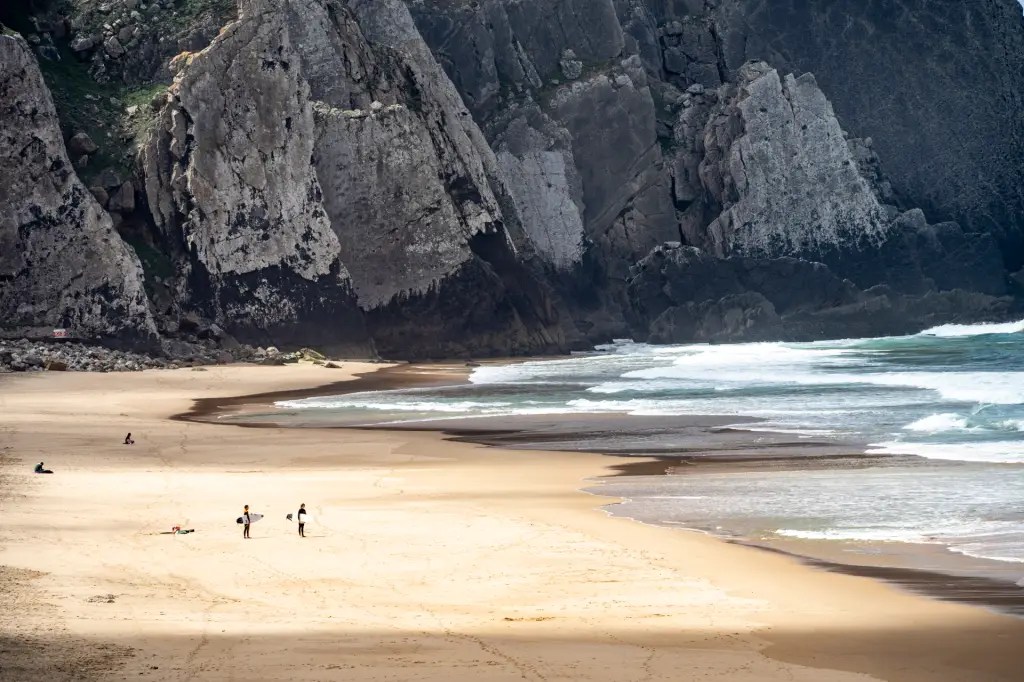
[[234, 195], [751, 159], [935, 85], [321, 181], [61, 262], [440, 177]]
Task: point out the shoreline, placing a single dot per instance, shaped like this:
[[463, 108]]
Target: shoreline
[[948, 576], [433, 558]]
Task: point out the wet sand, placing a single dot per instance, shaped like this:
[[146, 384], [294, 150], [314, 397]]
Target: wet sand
[[671, 445], [427, 559]]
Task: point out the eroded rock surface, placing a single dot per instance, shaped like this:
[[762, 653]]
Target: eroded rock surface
[[777, 161], [233, 193], [62, 265], [452, 178], [316, 169], [935, 85]]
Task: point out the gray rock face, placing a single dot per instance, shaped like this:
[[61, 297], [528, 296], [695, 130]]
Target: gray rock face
[[232, 190], [316, 152], [61, 262], [567, 106], [239, 134], [935, 85], [364, 157], [123, 199], [625, 189], [405, 179], [452, 178], [778, 163], [541, 176], [605, 129], [690, 52], [601, 128], [495, 44]]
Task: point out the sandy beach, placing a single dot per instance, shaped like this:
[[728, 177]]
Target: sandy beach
[[426, 559]]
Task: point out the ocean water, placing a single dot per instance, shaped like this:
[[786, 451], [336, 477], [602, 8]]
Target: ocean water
[[942, 411]]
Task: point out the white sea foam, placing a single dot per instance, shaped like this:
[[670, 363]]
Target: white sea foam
[[1000, 388], [519, 373], [938, 423], [637, 407], [768, 428], [855, 534], [746, 362], [993, 550], [397, 405], [954, 330], [1004, 388], [999, 452], [983, 551]]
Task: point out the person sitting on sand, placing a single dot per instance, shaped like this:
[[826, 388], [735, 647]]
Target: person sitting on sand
[[41, 470], [302, 520], [245, 523], [128, 439]]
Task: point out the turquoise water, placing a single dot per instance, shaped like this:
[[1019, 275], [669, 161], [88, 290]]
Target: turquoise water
[[952, 396]]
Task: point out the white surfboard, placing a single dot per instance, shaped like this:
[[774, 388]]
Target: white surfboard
[[305, 518], [253, 518]]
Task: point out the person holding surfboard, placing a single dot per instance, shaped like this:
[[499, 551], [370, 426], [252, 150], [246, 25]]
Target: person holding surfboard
[[302, 520], [247, 519]]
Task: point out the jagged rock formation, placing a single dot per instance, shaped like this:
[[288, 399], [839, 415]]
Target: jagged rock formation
[[590, 129], [234, 195], [754, 163], [438, 177], [777, 163], [777, 176], [317, 173], [61, 262], [935, 85], [132, 42], [801, 245]]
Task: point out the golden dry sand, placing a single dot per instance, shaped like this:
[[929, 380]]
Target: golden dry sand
[[425, 560]]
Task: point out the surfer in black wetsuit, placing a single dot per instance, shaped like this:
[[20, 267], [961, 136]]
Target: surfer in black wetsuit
[[245, 522], [40, 470], [302, 520], [128, 439]]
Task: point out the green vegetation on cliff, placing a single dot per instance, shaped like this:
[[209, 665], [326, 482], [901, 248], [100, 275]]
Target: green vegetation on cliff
[[99, 109]]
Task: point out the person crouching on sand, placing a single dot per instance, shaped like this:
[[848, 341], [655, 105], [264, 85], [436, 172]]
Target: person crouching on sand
[[128, 439], [302, 520], [245, 523], [40, 469]]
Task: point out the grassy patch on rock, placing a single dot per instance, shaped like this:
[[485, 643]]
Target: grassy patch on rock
[[100, 110], [163, 18]]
